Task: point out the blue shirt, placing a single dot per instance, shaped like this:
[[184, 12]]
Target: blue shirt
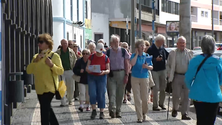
[[137, 70], [206, 86]]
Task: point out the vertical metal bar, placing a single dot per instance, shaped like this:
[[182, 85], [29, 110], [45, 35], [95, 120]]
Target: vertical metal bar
[[212, 11], [140, 28], [153, 20], [132, 33]]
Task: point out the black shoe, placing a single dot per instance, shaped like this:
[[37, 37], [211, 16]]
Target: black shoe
[[101, 115], [62, 105], [156, 109], [118, 115], [162, 107], [185, 117], [111, 114], [174, 113], [139, 121], [80, 109], [124, 101], [93, 115]]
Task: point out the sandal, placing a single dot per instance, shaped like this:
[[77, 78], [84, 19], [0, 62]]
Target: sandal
[[124, 101], [129, 98]]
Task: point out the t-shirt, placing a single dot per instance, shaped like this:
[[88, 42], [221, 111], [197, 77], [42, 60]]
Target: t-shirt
[[137, 70], [99, 61]]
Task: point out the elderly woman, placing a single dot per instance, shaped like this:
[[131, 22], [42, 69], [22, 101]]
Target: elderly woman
[[147, 44], [204, 84], [46, 67], [98, 68], [128, 85], [140, 79], [80, 70], [77, 52], [92, 47]]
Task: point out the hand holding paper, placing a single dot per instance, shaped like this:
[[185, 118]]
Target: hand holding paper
[[94, 68], [149, 60]]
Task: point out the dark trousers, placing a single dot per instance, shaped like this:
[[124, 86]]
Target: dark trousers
[[128, 85], [76, 92], [47, 115], [206, 112]]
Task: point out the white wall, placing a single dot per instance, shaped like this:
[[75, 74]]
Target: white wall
[[89, 9], [57, 34], [74, 10], [68, 9], [57, 8], [167, 17], [81, 10], [100, 24], [203, 19], [75, 30]]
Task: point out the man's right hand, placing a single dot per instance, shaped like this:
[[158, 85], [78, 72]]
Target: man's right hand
[[159, 58], [82, 70]]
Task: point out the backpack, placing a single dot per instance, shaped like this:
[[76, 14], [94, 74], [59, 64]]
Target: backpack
[[122, 49], [106, 58]]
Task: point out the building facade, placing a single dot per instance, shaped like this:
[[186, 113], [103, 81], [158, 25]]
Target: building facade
[[201, 17], [71, 21]]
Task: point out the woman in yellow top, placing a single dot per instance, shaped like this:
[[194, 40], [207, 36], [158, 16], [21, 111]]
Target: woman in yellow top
[[45, 70]]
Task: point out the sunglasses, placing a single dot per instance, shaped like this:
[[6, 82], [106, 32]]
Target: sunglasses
[[41, 42], [75, 46], [85, 53], [147, 45], [70, 44], [125, 47]]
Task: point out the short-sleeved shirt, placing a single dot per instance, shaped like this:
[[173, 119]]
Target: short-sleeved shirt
[[99, 61], [117, 59], [137, 70]]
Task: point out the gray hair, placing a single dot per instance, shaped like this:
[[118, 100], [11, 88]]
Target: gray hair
[[208, 44], [101, 40], [183, 38], [92, 44], [114, 37], [160, 37]]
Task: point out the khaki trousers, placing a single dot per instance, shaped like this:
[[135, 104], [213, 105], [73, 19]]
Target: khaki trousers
[[140, 87], [180, 91], [116, 90], [83, 90], [159, 78]]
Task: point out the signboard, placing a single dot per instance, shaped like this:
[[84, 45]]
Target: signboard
[[172, 28]]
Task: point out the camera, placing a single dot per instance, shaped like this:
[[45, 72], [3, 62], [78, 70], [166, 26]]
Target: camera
[[160, 56]]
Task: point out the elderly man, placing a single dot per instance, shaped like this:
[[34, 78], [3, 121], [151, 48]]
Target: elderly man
[[177, 65], [160, 56], [118, 77], [68, 58]]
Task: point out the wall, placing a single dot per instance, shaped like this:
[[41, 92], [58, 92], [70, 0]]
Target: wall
[[63, 21], [204, 19], [100, 24], [165, 17]]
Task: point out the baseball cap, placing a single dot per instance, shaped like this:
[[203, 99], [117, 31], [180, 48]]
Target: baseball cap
[[99, 48]]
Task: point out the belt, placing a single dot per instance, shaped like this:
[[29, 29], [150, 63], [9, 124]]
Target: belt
[[180, 73], [118, 70]]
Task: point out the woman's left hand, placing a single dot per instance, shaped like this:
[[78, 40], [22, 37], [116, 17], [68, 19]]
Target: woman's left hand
[[49, 62], [145, 66]]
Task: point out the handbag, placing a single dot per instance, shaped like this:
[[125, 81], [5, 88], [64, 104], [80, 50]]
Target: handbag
[[76, 78], [60, 92], [200, 67]]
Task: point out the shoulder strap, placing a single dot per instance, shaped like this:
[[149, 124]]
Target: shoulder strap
[[123, 52], [108, 52], [198, 69], [52, 74], [92, 57], [106, 58]]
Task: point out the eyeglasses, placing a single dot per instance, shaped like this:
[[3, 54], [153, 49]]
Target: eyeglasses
[[75, 46], [125, 47], [85, 53], [41, 42], [70, 44], [147, 45]]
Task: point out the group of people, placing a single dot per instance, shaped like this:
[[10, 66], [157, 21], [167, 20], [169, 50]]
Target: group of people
[[118, 71]]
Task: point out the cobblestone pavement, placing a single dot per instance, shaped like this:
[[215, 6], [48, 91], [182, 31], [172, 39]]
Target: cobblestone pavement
[[28, 113]]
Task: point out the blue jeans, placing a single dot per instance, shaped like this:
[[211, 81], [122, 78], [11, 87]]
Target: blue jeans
[[97, 89]]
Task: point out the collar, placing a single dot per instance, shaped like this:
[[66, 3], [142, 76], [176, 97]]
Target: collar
[[144, 54], [66, 51]]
